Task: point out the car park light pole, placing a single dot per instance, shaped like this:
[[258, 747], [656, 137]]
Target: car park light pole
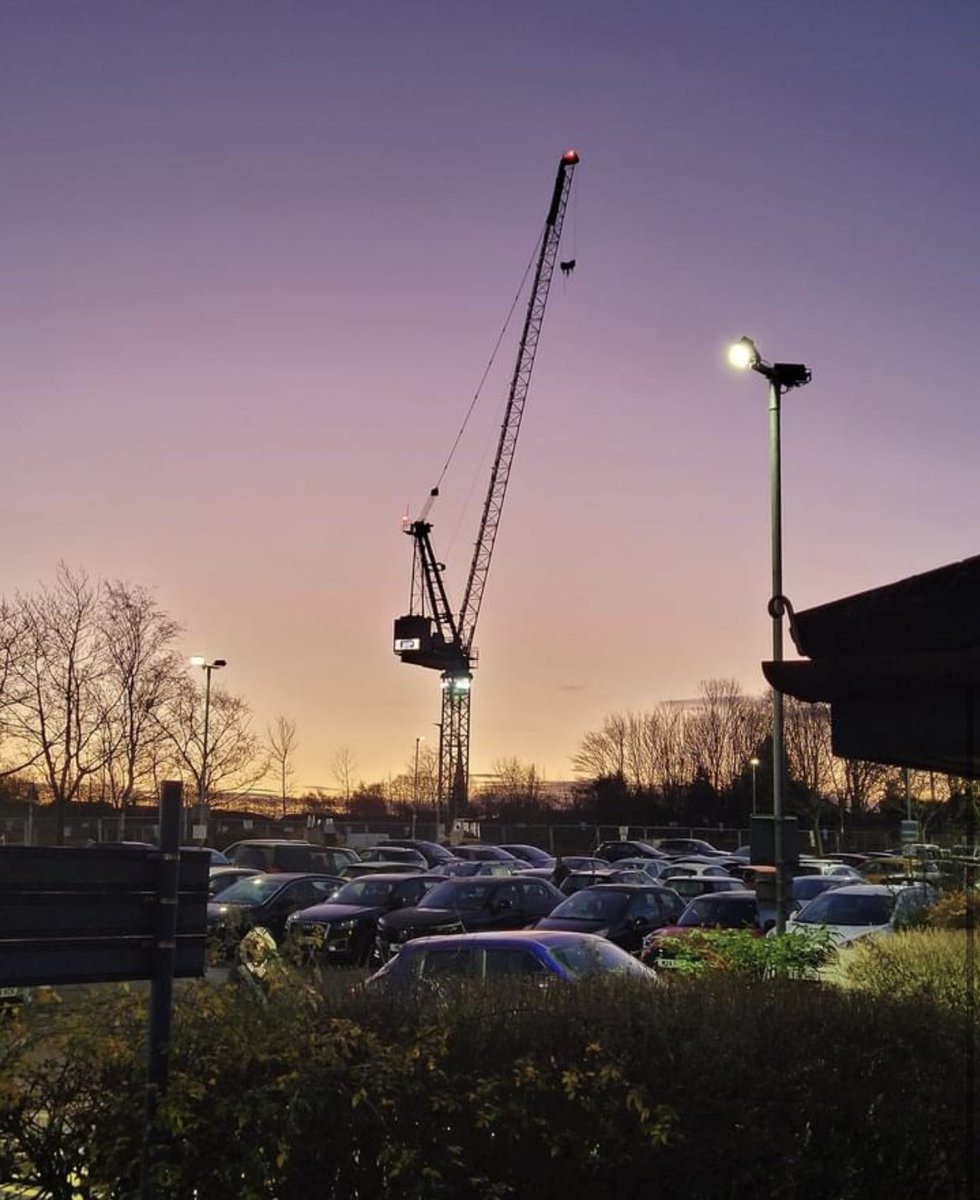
[[202, 791], [781, 377], [754, 764]]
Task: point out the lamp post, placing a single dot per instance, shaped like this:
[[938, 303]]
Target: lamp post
[[438, 725], [754, 764], [202, 791], [781, 377]]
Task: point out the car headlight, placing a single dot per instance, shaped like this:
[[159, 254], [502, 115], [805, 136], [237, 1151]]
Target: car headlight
[[345, 926]]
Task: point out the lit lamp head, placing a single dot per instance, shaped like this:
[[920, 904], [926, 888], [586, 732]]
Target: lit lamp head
[[743, 354]]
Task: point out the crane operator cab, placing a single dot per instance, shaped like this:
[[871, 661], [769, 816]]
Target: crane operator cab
[[419, 641]]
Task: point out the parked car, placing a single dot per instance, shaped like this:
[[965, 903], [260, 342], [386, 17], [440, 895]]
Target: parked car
[[468, 905], [534, 856], [803, 888], [722, 910], [405, 856], [341, 930], [218, 858], [523, 954], [581, 862], [432, 852], [475, 851], [611, 851], [688, 867], [689, 886], [458, 868], [682, 847], [651, 867], [265, 899], [828, 866], [221, 878], [577, 881], [623, 913], [857, 910], [272, 854]]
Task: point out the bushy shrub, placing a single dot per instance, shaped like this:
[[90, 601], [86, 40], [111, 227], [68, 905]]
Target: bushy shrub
[[933, 965], [712, 1086], [740, 951], [955, 910]]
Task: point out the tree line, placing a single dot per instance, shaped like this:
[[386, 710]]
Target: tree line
[[95, 698]]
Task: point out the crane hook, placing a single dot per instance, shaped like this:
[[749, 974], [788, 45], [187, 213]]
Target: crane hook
[[568, 266]]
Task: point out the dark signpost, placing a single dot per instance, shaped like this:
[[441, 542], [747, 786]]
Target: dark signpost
[[105, 914]]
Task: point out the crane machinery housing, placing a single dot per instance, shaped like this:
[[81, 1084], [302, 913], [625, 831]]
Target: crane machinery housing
[[431, 635]]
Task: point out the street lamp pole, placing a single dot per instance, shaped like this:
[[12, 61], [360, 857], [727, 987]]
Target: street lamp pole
[[438, 725], [781, 377], [202, 791], [754, 764]]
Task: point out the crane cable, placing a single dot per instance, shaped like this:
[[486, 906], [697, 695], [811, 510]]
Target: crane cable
[[483, 378]]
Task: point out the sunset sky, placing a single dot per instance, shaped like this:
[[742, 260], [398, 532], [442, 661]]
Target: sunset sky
[[256, 256]]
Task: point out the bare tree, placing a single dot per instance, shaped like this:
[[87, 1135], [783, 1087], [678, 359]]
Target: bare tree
[[724, 731], [282, 746], [517, 781], [142, 673], [343, 768], [603, 752], [234, 762], [59, 679]]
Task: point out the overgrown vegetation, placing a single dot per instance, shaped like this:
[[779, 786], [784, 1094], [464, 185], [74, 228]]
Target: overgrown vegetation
[[712, 1086], [933, 966], [740, 951]]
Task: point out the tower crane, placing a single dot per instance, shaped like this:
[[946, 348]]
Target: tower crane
[[431, 635]]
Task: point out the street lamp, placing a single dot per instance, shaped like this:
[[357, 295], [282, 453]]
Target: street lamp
[[415, 777], [744, 354], [754, 764], [202, 792]]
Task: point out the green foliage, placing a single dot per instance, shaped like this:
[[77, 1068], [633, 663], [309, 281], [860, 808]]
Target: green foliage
[[740, 951], [601, 1090], [936, 966]]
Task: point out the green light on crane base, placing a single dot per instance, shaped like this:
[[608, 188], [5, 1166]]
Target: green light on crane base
[[457, 683]]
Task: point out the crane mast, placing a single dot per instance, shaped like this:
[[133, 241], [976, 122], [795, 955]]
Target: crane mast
[[430, 636]]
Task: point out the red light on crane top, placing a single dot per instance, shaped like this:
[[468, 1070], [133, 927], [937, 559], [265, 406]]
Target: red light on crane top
[[570, 157]]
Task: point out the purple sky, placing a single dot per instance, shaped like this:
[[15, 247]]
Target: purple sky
[[255, 257]]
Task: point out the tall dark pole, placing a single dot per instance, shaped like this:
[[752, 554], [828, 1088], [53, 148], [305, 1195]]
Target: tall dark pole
[[776, 609], [202, 790], [202, 807], [781, 377], [162, 983]]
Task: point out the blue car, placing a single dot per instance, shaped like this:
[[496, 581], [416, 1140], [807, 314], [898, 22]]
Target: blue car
[[521, 954]]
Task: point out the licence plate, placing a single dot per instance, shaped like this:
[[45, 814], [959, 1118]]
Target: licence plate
[[9, 993]]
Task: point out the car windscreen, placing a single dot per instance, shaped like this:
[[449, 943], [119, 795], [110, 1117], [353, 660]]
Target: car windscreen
[[839, 908], [255, 889], [593, 957], [593, 904], [712, 910], [459, 893], [366, 892]]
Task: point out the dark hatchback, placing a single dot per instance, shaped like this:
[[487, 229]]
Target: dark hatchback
[[342, 930], [467, 905], [622, 912], [721, 910], [265, 899]]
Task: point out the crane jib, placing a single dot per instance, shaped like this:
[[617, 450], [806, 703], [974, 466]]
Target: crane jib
[[430, 636]]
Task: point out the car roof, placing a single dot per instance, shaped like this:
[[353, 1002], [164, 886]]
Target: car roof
[[511, 937], [396, 875]]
